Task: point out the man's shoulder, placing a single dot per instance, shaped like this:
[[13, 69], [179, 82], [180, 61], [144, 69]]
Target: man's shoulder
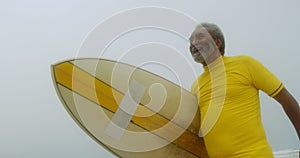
[[243, 58]]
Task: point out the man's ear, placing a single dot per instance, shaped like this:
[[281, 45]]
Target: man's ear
[[218, 43]]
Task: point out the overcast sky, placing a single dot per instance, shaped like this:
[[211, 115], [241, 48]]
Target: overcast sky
[[35, 34]]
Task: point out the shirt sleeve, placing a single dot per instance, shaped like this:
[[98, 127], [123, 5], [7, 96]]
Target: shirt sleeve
[[262, 78]]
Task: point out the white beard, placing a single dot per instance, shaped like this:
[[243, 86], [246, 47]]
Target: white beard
[[204, 52]]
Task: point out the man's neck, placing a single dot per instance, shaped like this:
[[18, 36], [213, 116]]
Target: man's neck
[[212, 57]]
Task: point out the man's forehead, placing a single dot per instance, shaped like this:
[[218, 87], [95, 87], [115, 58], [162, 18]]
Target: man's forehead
[[200, 29]]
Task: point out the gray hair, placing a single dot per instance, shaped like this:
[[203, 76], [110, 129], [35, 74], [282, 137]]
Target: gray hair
[[215, 33]]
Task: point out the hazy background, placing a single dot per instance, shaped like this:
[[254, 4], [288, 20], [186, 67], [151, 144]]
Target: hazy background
[[35, 34]]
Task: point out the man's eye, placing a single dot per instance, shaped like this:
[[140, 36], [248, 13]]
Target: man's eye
[[199, 36]]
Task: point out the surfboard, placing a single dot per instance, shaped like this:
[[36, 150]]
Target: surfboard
[[129, 111]]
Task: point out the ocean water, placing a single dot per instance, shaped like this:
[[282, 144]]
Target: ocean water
[[291, 153]]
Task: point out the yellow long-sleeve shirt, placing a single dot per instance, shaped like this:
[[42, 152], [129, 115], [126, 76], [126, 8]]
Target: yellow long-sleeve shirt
[[238, 131]]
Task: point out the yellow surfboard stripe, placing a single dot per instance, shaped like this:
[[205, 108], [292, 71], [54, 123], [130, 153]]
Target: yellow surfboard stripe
[[83, 83]]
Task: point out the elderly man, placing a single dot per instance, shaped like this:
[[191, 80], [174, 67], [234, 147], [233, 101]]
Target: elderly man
[[237, 130]]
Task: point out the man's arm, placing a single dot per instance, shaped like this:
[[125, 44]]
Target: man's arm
[[290, 107]]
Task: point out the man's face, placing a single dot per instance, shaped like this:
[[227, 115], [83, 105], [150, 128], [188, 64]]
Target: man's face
[[202, 45]]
